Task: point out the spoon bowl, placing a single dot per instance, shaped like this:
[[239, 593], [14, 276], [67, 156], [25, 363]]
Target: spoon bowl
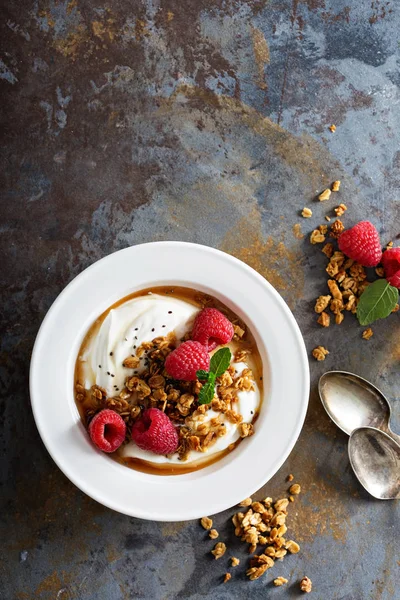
[[352, 402], [375, 458]]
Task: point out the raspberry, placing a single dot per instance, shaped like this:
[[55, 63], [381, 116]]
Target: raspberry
[[155, 432], [186, 360], [391, 264], [211, 328], [107, 430], [362, 243]]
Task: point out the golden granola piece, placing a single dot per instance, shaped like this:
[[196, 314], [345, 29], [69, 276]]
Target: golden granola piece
[[319, 353], [334, 289], [340, 210], [339, 318], [246, 430], [332, 269], [282, 504], [246, 502], [323, 229], [258, 507], [233, 417], [238, 331], [279, 554], [219, 550], [336, 186], [292, 546], [225, 380], [336, 229], [306, 585], [380, 271], [280, 581], [325, 195], [235, 561], [241, 355], [317, 237], [295, 489], [328, 249], [278, 519], [213, 534], [256, 572], [324, 319], [290, 477], [131, 362], [306, 213], [332, 128], [227, 577], [206, 522], [336, 306], [367, 334], [327, 218]]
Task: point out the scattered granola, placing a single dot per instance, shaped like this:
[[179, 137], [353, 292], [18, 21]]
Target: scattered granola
[[295, 489], [328, 249], [327, 218], [324, 319], [227, 577], [336, 229], [235, 561], [213, 534], [332, 128], [306, 213], [280, 581], [246, 502], [206, 522], [290, 477], [367, 334], [219, 550], [317, 237], [306, 585], [340, 210], [336, 186], [325, 195], [319, 353]]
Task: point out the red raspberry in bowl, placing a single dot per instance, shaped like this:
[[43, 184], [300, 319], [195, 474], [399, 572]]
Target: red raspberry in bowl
[[211, 328], [391, 264], [186, 360], [107, 430], [362, 244], [155, 432]]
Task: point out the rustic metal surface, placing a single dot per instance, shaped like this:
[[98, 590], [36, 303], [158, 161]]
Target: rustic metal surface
[[203, 121]]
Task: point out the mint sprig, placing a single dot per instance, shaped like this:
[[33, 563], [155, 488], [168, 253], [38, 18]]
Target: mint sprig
[[219, 363], [376, 302]]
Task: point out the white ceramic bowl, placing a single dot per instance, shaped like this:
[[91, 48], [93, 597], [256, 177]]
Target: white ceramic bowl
[[227, 481]]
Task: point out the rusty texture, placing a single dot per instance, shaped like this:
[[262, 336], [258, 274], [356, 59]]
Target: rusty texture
[[203, 121]]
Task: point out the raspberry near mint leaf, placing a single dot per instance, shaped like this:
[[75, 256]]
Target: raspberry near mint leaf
[[211, 328], [362, 244], [186, 360], [391, 265], [107, 430], [155, 432]]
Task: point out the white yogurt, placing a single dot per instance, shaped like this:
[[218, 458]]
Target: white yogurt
[[124, 329], [141, 320]]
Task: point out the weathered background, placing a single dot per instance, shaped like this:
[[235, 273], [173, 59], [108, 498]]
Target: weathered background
[[206, 121]]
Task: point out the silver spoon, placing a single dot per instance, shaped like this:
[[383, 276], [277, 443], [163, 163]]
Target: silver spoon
[[353, 402], [362, 411], [375, 458]]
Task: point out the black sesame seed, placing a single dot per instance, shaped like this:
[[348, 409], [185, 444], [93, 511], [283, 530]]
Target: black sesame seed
[[108, 372], [260, 378], [153, 329], [111, 353], [126, 339], [164, 325], [251, 412], [134, 347], [99, 366], [136, 328], [112, 375], [135, 337], [170, 312]]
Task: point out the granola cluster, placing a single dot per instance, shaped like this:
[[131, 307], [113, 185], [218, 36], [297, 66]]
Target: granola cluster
[[153, 388], [260, 523]]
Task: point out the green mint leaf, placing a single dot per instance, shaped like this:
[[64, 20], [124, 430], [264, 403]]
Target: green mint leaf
[[376, 302], [207, 391], [202, 375], [220, 361]]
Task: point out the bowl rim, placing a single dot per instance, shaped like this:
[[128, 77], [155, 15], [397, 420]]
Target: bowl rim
[[299, 361]]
